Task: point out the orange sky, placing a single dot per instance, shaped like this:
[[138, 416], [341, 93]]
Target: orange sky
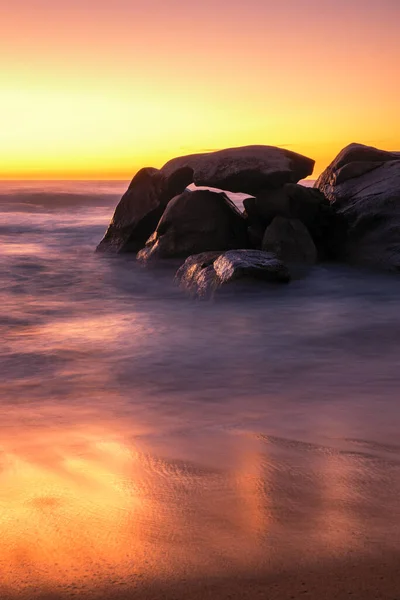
[[97, 89]]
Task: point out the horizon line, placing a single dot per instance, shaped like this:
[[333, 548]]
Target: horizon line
[[10, 179]]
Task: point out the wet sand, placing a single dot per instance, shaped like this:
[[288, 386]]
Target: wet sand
[[374, 579], [100, 516]]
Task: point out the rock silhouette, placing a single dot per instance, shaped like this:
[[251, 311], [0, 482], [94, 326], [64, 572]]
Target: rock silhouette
[[352, 214], [290, 241], [247, 169], [363, 185], [195, 222], [292, 201], [140, 209]]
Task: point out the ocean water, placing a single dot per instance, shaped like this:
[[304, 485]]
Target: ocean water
[[147, 437]]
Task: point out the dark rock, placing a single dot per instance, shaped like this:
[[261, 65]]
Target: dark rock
[[268, 204], [353, 161], [363, 185], [247, 169], [257, 264], [290, 240], [140, 209], [313, 209], [329, 232], [290, 201], [203, 273], [255, 230], [197, 274], [196, 222], [255, 234], [305, 204]]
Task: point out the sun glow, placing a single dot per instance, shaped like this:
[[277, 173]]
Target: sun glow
[[90, 92], [49, 529]]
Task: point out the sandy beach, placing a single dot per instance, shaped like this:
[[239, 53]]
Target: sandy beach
[[277, 519], [374, 579]]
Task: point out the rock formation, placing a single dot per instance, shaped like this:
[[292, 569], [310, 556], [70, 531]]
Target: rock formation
[[247, 169], [205, 272], [196, 222], [256, 264], [351, 214], [197, 273], [290, 241], [363, 185], [293, 201], [140, 209]]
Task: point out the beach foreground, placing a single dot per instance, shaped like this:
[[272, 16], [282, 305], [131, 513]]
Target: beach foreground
[[97, 504], [89, 513], [374, 579]]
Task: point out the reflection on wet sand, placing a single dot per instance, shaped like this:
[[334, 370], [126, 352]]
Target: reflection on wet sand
[[82, 508]]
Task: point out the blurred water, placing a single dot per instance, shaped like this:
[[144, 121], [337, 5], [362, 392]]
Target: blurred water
[[144, 434]]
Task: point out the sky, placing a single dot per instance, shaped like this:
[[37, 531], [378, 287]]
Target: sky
[[96, 89]]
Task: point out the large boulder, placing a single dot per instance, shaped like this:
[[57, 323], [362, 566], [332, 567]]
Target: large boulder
[[255, 232], [247, 169], [363, 185], [205, 272], [195, 222], [352, 162], [291, 201], [290, 240], [298, 202], [197, 274], [140, 209], [238, 264]]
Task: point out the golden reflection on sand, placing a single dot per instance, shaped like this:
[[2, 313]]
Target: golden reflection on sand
[[89, 506], [66, 518], [253, 488], [82, 507]]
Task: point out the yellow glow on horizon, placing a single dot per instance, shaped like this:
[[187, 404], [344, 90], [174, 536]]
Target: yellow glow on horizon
[[83, 134], [98, 95]]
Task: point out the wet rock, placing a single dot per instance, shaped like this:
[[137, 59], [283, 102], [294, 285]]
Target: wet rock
[[290, 240], [238, 264], [363, 185], [140, 209], [203, 273], [195, 222], [197, 274], [246, 169]]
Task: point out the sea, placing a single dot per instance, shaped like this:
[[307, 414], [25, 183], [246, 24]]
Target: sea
[[148, 437]]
